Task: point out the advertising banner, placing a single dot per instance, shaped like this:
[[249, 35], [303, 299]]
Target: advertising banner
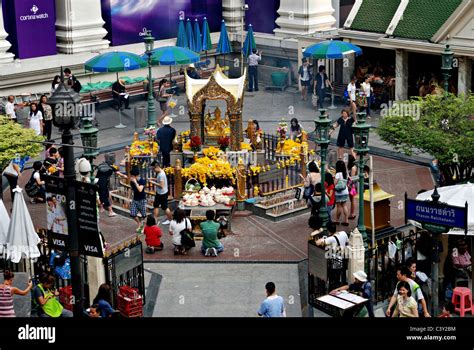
[[262, 15], [56, 209], [86, 203], [31, 27], [126, 19]]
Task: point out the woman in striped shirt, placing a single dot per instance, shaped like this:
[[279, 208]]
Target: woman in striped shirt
[[6, 294]]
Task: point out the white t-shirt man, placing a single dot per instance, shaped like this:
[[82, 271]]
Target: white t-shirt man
[[351, 90], [10, 110], [341, 236]]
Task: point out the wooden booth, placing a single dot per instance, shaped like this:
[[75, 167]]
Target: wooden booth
[[381, 208]]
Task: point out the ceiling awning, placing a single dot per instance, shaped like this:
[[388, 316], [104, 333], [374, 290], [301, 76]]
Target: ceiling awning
[[235, 86]]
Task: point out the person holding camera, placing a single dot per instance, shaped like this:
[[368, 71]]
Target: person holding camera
[[254, 58]]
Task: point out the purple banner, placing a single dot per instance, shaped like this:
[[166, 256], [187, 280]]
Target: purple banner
[[126, 19], [262, 15], [31, 27]]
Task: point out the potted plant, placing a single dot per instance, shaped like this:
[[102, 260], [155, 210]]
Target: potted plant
[[223, 143]]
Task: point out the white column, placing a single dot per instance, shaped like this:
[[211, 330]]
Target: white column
[[464, 75], [299, 17], [356, 254], [232, 15], [95, 275], [401, 75], [348, 68], [5, 57], [79, 26], [336, 5]]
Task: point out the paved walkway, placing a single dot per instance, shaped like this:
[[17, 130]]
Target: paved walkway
[[268, 107], [218, 290]]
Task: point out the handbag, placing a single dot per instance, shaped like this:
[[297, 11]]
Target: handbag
[[337, 261], [10, 170], [352, 187], [314, 100], [341, 185], [187, 237], [31, 188]]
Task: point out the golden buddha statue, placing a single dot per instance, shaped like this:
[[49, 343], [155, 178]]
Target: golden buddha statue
[[215, 126]]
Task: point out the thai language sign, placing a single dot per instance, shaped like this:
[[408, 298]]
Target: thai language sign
[[439, 214]]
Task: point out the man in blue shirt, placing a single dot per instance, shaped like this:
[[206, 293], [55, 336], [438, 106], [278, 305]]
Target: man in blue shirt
[[165, 136], [362, 288], [273, 305]]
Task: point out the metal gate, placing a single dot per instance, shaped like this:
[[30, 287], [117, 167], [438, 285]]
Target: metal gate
[[125, 268]]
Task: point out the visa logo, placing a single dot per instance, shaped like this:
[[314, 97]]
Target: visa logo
[[91, 248], [59, 242]]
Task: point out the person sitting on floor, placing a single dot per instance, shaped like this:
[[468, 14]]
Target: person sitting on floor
[[211, 245], [152, 235]]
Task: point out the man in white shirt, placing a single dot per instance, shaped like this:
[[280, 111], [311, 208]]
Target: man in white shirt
[[10, 108], [336, 245], [254, 58], [351, 91]]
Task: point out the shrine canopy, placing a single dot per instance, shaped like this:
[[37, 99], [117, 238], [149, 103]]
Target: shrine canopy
[[234, 87]]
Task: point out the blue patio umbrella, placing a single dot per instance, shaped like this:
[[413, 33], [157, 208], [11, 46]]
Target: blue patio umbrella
[[190, 35], [223, 47], [182, 40], [173, 55], [249, 43], [331, 49], [206, 36], [197, 37]]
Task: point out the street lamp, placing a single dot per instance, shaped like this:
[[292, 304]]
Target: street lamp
[[149, 45], [446, 67], [322, 139], [245, 7], [64, 103], [89, 141], [361, 137]]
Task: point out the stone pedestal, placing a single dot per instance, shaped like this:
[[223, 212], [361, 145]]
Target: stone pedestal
[[79, 26], [401, 75], [232, 15], [95, 275], [356, 254], [299, 17], [5, 57], [464, 75]]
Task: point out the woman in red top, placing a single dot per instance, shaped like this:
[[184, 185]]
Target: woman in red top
[[329, 185], [152, 235]]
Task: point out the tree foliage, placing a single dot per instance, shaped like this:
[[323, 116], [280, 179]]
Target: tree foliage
[[15, 139], [443, 128]]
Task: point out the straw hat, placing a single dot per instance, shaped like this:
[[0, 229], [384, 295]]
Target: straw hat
[[192, 65], [122, 82], [360, 276], [167, 120]]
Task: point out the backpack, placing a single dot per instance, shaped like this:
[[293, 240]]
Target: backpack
[[104, 168], [341, 185], [345, 96]]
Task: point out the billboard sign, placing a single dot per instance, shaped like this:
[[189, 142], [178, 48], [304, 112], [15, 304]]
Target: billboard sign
[[31, 25]]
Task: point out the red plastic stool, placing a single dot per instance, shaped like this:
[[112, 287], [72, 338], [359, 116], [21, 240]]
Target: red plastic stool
[[462, 300]]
